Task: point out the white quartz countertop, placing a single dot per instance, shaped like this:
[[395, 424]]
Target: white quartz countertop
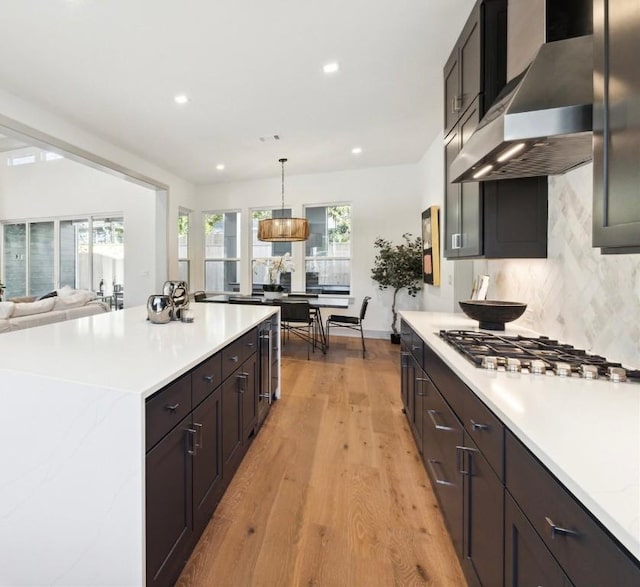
[[587, 433], [122, 350]]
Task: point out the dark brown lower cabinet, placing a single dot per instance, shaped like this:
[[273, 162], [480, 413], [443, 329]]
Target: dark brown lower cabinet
[[483, 517], [510, 520], [441, 434], [528, 562], [169, 506], [207, 461], [249, 397], [191, 461]]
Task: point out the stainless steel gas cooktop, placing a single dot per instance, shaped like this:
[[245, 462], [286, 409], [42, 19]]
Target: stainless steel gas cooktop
[[535, 355]]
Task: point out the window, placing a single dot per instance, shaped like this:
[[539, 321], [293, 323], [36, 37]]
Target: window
[[264, 250], [328, 250], [222, 251], [183, 246], [40, 256], [23, 159]]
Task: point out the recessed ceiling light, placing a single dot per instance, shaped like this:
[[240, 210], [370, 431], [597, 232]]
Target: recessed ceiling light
[[356, 150], [331, 67], [181, 99], [220, 166]]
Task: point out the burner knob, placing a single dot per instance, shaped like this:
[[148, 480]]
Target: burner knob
[[589, 371], [538, 367], [563, 369], [617, 374], [513, 365], [490, 363]]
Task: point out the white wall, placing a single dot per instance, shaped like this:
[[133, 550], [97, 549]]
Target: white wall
[[577, 294], [455, 276], [62, 187], [180, 192], [385, 202]]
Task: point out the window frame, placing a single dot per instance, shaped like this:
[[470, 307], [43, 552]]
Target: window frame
[[184, 212], [308, 258], [252, 259], [237, 259]]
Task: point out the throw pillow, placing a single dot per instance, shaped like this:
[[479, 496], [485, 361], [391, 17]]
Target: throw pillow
[[51, 294], [75, 300], [65, 290], [29, 308], [6, 310]]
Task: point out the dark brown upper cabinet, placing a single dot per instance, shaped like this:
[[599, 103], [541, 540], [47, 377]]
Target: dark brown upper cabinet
[[616, 127], [506, 219]]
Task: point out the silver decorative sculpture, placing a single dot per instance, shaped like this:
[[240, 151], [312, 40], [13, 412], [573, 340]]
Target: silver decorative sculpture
[[178, 291], [159, 309]]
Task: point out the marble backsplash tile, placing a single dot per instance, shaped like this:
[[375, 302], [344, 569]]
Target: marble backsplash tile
[[577, 295]]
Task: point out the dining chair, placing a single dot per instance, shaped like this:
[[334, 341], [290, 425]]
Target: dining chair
[[296, 319], [199, 296], [352, 322]]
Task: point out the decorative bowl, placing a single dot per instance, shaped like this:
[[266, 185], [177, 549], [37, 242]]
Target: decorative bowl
[[492, 314]]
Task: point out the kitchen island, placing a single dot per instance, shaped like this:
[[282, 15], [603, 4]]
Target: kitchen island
[[586, 433], [72, 431]]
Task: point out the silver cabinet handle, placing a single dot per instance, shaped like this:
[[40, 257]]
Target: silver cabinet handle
[[477, 426], [422, 380], [456, 104], [234, 359], [199, 435], [193, 445], [432, 415], [415, 347], [208, 378], [460, 451], [251, 344], [172, 408], [558, 531], [431, 463], [456, 241], [244, 377]]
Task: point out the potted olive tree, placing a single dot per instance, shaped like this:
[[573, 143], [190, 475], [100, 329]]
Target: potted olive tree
[[398, 267]]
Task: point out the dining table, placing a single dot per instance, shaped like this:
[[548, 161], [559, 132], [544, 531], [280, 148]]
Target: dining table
[[315, 303]]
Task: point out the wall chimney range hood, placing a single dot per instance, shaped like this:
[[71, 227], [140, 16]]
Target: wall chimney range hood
[[540, 124]]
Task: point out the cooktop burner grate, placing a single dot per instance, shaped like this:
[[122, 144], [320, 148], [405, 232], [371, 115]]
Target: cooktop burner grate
[[540, 355]]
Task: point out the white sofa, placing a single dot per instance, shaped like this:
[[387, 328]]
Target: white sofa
[[68, 304]]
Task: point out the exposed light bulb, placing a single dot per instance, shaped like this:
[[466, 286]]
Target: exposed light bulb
[[181, 99]]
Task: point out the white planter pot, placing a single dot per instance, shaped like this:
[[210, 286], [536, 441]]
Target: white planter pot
[[272, 295]]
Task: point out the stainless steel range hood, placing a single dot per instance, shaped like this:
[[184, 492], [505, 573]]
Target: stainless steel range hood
[[541, 124]]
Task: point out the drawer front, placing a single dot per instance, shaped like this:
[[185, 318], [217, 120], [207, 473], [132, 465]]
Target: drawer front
[[486, 430], [238, 351], [205, 378], [452, 389], [417, 348], [165, 409], [586, 552]]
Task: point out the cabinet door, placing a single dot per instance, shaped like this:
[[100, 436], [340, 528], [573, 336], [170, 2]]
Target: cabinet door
[[483, 516], [470, 208], [616, 131], [249, 396], [169, 523], [420, 389], [231, 433], [207, 462], [528, 562], [452, 102], [442, 433], [451, 198], [470, 53]]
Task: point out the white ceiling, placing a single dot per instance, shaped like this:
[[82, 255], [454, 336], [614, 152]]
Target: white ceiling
[[251, 68]]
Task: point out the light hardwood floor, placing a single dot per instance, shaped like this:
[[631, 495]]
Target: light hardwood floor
[[332, 491]]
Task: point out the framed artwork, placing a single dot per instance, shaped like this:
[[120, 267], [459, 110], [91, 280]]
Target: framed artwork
[[431, 245]]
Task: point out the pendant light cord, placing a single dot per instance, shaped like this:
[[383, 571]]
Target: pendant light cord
[[282, 162]]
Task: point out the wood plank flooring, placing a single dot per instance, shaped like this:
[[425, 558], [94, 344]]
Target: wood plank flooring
[[332, 491]]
